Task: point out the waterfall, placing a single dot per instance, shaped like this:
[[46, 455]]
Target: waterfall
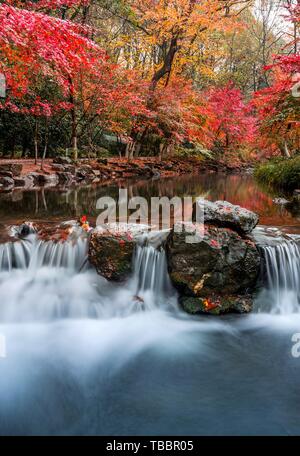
[[281, 273], [150, 284], [49, 280], [150, 270], [14, 255], [33, 253]]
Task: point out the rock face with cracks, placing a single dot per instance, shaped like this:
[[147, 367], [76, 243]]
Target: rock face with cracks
[[218, 273], [225, 214]]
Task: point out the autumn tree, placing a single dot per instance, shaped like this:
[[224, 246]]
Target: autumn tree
[[230, 120], [38, 49], [278, 106]]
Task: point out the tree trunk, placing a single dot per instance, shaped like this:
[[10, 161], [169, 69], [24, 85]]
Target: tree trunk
[[137, 149], [162, 149], [284, 150], [166, 67], [36, 142], [74, 134], [45, 146], [130, 148], [73, 121]]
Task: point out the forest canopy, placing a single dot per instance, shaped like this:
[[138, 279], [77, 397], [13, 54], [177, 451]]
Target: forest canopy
[[149, 77]]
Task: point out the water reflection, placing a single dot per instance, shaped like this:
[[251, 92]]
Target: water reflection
[[61, 204]]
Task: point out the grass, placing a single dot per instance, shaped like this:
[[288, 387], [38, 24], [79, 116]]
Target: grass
[[282, 173]]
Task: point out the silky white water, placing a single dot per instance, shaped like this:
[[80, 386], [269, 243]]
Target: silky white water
[[85, 356], [281, 262]]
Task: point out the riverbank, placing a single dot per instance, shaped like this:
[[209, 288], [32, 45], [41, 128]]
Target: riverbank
[[64, 172], [281, 173]]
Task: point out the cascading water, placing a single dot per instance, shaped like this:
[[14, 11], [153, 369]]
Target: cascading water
[[151, 282], [150, 270], [85, 359], [32, 253], [281, 277], [46, 280]]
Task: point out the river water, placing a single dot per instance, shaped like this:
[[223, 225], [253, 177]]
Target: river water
[[83, 357]]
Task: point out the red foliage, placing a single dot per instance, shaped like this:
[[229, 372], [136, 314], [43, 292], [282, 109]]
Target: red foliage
[[278, 107], [36, 48], [230, 120]]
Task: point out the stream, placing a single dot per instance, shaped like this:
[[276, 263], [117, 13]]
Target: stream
[[83, 358]]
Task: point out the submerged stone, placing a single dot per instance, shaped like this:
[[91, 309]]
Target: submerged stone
[[216, 305]]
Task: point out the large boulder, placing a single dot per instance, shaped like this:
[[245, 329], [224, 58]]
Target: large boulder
[[225, 214], [222, 264], [111, 249], [111, 255]]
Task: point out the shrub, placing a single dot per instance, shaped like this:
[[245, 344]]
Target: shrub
[[280, 172]]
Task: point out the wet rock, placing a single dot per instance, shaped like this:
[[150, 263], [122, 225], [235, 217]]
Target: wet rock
[[70, 169], [85, 172], [49, 179], [65, 178], [217, 305], [222, 263], [63, 160], [14, 168], [44, 179], [6, 182], [156, 173], [280, 201], [58, 167], [19, 182], [26, 181], [24, 230], [36, 177], [111, 249], [223, 213], [111, 254], [6, 174]]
